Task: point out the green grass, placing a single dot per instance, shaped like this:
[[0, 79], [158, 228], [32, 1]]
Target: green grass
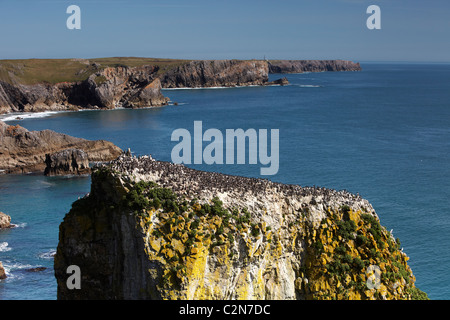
[[32, 71]]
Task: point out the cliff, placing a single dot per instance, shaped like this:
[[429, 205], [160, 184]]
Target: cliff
[[155, 230], [217, 73], [300, 66], [25, 151], [41, 85], [126, 87], [110, 87]]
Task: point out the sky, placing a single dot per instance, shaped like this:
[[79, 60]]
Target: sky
[[411, 30]]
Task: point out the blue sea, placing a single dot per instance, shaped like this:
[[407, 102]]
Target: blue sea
[[383, 132]]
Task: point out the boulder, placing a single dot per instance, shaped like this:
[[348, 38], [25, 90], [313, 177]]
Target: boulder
[[5, 221], [2, 272]]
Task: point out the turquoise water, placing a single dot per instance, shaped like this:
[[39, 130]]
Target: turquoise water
[[383, 133]]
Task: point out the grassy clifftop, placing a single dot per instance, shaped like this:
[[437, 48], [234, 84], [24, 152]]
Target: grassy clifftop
[[32, 71]]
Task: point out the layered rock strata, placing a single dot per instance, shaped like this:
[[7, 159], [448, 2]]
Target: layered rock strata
[[217, 73], [155, 230]]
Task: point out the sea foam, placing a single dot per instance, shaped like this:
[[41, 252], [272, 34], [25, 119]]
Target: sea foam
[[27, 115], [4, 247]]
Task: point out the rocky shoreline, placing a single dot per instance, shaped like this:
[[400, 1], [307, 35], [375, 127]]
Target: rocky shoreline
[[23, 151], [124, 86]]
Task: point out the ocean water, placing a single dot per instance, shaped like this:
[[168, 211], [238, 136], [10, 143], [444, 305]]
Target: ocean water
[[383, 133]]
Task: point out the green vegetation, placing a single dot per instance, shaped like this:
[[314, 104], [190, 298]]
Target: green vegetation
[[99, 80], [145, 195], [32, 71], [175, 212]]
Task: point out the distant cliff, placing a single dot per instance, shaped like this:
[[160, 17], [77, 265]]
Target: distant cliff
[[217, 73], [300, 66], [23, 151], [155, 230], [32, 87]]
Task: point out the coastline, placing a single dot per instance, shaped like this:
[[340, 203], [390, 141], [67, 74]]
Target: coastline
[[111, 87]]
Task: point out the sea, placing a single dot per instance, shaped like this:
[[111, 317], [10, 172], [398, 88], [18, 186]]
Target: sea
[[383, 132]]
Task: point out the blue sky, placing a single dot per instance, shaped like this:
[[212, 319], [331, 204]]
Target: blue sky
[[412, 30]]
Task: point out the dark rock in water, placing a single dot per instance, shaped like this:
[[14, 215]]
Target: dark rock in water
[[2, 272], [70, 161], [280, 82], [37, 269], [5, 221]]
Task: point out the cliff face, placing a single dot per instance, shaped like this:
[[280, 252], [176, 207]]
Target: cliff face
[[299, 66], [126, 87], [217, 73], [140, 86], [25, 151], [107, 88], [69, 161], [155, 230]]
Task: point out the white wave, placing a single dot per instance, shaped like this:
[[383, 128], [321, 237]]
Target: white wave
[[48, 254], [308, 86], [19, 225], [4, 247], [196, 88], [10, 267], [27, 115], [212, 88], [45, 184]]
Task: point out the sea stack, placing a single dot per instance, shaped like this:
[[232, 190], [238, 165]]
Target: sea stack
[[155, 230]]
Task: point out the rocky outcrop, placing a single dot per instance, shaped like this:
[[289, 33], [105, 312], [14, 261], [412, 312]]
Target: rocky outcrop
[[2, 272], [126, 87], [5, 221], [39, 97], [24, 151], [107, 88], [279, 82], [217, 73], [300, 66], [67, 162], [155, 230]]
